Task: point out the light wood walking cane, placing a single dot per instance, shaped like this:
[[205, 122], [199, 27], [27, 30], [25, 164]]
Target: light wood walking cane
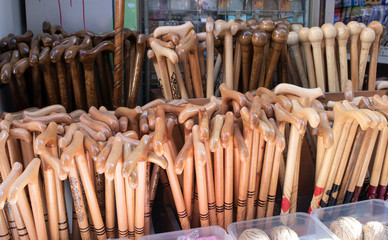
[[219, 180], [30, 177], [87, 183], [227, 144]]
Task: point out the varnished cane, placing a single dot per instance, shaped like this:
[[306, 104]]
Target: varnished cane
[[118, 60]]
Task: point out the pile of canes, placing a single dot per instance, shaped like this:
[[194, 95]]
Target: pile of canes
[[252, 54], [227, 170], [71, 69]]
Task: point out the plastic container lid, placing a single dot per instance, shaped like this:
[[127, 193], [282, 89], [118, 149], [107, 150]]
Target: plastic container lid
[[364, 211], [303, 224], [191, 234]]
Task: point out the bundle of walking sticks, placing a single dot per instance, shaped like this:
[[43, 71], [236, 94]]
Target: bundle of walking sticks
[[250, 54], [227, 170], [75, 67]]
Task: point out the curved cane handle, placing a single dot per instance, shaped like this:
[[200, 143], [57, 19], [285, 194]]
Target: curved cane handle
[[6, 185], [33, 126], [29, 176], [308, 113], [180, 30], [110, 119], [57, 52], [113, 158], [285, 88], [227, 130], [20, 134], [216, 133], [138, 154], [72, 51]]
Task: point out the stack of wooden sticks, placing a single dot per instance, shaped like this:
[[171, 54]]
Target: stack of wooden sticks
[[251, 53], [358, 155], [331, 72], [227, 170], [66, 62]]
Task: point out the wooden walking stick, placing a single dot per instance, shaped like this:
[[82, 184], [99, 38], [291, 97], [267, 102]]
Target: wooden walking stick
[[343, 33], [173, 179], [344, 161], [282, 117], [315, 36], [293, 42], [134, 86], [30, 177], [71, 59], [378, 28], [245, 40], [35, 72], [56, 56], [259, 128], [267, 25], [118, 72], [227, 144], [201, 48], [339, 195], [383, 180], [378, 163], [68, 161], [87, 183], [18, 70], [16, 224], [259, 41], [363, 158], [292, 154], [355, 30], [336, 161], [87, 58], [341, 115], [204, 137], [219, 180], [162, 53], [308, 57], [279, 37], [113, 169], [49, 80], [367, 36], [282, 65], [6, 77], [209, 57], [329, 34], [21, 232], [189, 46], [238, 140], [200, 161], [222, 27]]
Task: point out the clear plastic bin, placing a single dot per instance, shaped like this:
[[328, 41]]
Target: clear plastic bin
[[303, 224], [190, 234], [364, 211]]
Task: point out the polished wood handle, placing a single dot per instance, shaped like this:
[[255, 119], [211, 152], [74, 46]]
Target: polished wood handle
[[138, 154], [180, 30]]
